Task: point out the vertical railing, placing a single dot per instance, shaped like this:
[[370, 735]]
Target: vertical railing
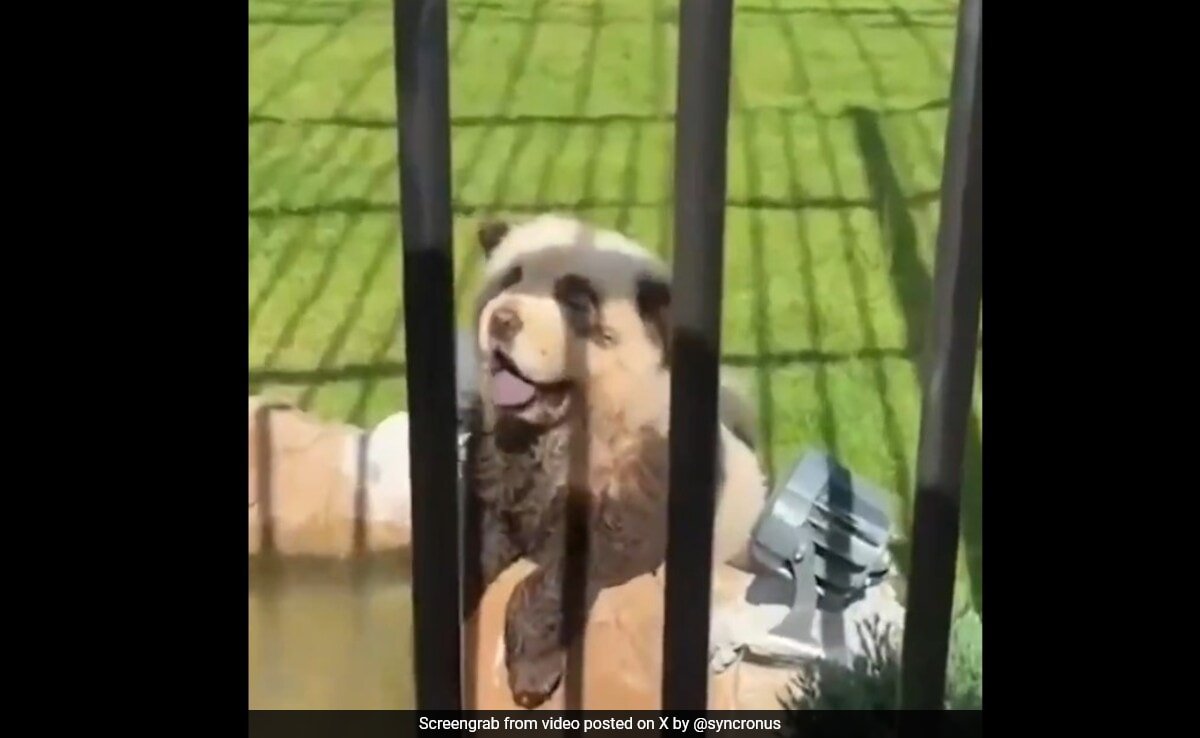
[[705, 29], [946, 406], [422, 78], [422, 90]]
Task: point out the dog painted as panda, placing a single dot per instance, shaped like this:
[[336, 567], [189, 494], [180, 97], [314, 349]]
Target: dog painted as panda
[[567, 454]]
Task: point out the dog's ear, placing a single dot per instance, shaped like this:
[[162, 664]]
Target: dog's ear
[[654, 305], [490, 233]]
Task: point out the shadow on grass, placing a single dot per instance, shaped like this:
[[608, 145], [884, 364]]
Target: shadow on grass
[[917, 28], [593, 120], [930, 142], [808, 283], [264, 145], [392, 337], [518, 63], [913, 287], [325, 275], [296, 71], [366, 283], [761, 313], [834, 10], [892, 436], [361, 206], [269, 175]]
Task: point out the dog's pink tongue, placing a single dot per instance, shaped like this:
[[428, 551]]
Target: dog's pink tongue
[[509, 390]]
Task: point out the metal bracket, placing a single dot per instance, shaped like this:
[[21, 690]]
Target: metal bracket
[[839, 522], [822, 540]]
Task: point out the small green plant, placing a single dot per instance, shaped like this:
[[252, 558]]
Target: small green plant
[[870, 686], [965, 679]]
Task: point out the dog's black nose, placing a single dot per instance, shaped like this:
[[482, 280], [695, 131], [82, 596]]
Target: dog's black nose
[[504, 324]]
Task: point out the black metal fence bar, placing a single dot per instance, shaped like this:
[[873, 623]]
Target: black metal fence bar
[[949, 377], [422, 78], [705, 30], [422, 92]]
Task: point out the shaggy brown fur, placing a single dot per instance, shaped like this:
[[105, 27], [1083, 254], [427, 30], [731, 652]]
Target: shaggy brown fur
[[584, 537]]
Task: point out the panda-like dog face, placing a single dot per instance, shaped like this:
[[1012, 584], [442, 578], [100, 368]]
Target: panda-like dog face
[[566, 312]]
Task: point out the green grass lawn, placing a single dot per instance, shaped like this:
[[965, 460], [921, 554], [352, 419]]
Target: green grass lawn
[[839, 112]]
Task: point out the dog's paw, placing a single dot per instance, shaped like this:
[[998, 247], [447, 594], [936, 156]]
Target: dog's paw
[[533, 680]]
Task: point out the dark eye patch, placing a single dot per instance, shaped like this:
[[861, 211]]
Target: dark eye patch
[[511, 277], [579, 301], [576, 292], [654, 304]]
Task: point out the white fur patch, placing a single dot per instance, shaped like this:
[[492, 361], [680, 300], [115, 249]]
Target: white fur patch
[[389, 492], [741, 499], [557, 231]]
